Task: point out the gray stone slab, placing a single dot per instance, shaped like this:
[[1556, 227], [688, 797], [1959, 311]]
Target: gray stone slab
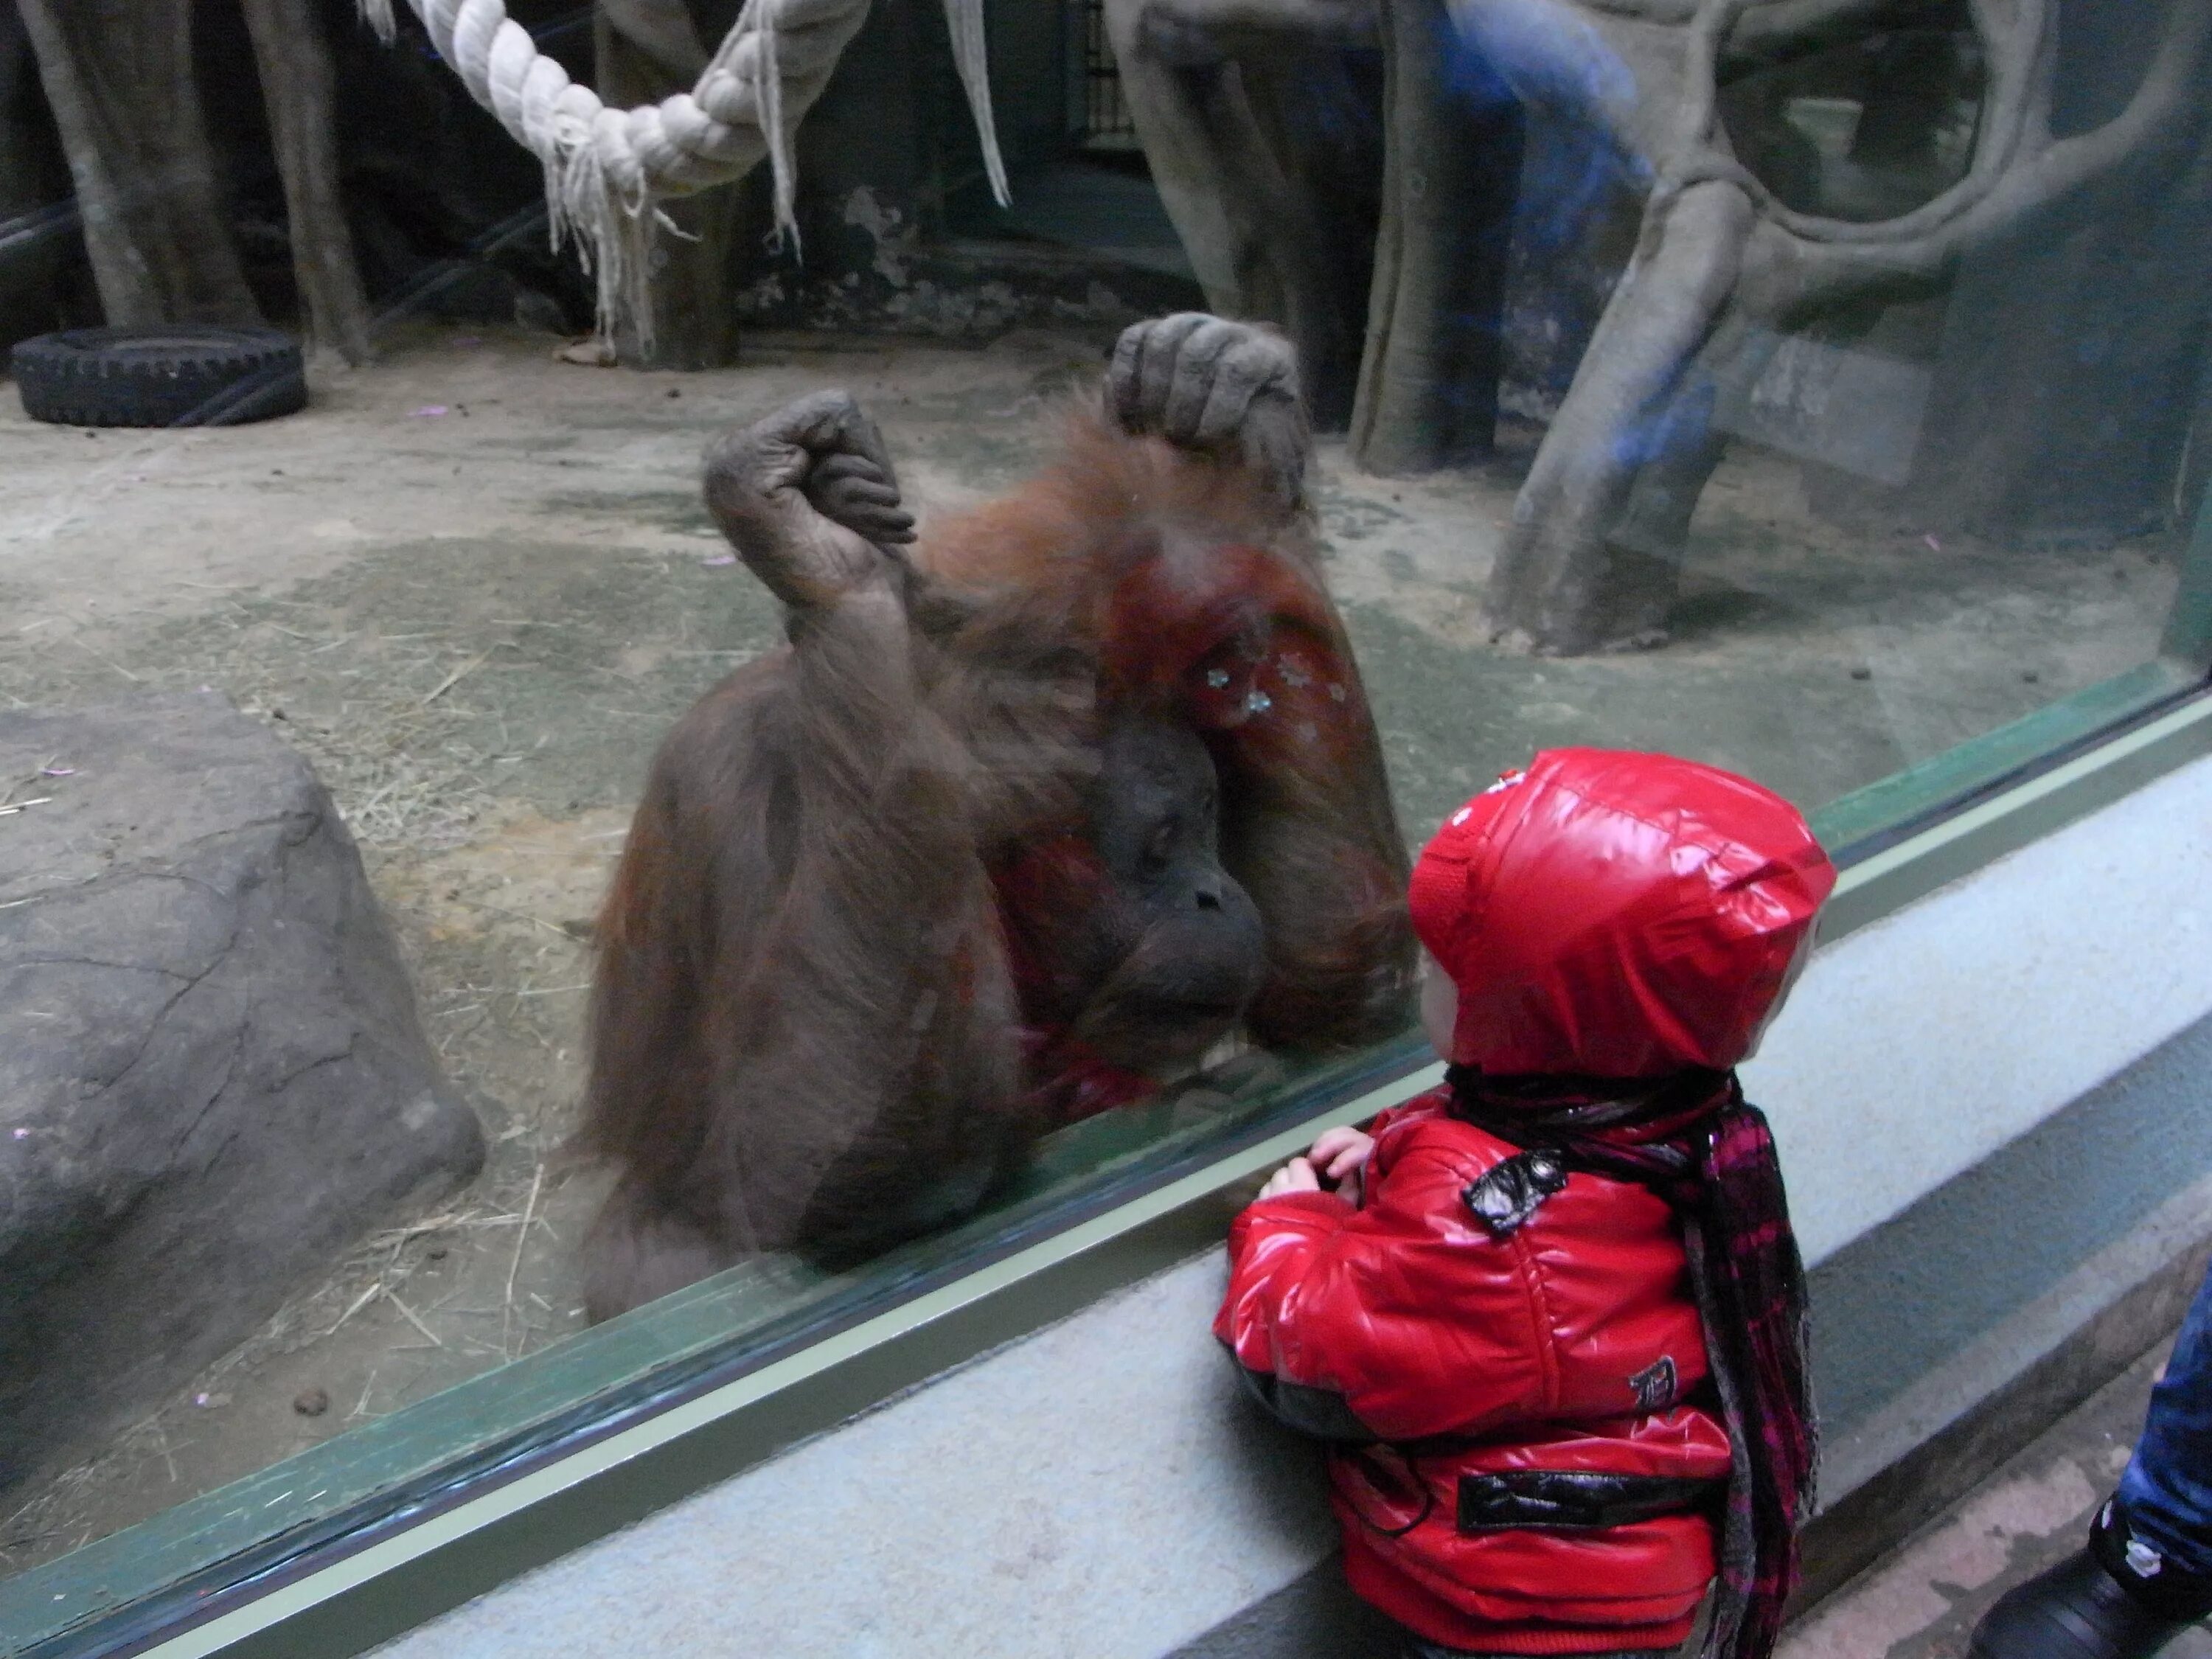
[[212, 1075]]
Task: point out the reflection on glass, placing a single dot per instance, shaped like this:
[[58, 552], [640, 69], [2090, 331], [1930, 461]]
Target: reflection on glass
[[1805, 388]]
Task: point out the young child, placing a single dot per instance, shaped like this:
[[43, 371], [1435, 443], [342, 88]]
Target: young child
[[1553, 1313]]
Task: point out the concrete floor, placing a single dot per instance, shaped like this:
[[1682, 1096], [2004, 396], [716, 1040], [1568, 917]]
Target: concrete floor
[[1921, 1601], [474, 586]]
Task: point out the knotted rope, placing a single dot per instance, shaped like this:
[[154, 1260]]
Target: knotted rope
[[607, 169]]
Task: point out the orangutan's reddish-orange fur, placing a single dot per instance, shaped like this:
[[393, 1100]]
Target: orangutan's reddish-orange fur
[[805, 1032]]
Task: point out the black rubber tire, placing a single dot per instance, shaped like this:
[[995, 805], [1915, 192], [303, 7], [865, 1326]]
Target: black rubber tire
[[184, 375]]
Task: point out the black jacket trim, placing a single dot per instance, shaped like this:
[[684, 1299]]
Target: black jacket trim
[[1514, 1189], [1576, 1500], [1320, 1413]]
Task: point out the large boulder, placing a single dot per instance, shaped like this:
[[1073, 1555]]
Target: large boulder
[[212, 1076]]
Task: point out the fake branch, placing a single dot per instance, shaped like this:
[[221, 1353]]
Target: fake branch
[[2041, 178], [1722, 266]]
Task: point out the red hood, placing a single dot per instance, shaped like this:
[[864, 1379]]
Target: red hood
[[1617, 915]]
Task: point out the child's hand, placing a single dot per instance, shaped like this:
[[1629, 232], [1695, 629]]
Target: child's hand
[[1337, 1159], [1339, 1156], [1295, 1176]]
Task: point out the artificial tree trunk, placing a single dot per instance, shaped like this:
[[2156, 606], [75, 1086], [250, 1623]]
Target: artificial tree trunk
[[1428, 380], [41, 242], [1317, 106], [294, 62], [1163, 92], [1216, 177], [1218, 91], [118, 75], [1724, 268], [2065, 384], [1578, 571], [645, 49]]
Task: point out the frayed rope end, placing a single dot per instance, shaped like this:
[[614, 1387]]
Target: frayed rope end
[[377, 14], [614, 235]]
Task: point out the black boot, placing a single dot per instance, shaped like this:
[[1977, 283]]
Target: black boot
[[2115, 1600]]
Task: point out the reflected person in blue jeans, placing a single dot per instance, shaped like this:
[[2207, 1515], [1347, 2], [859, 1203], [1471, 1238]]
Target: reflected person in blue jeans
[[2147, 1573]]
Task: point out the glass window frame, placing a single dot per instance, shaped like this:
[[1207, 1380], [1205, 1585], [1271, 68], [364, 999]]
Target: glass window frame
[[383, 1527]]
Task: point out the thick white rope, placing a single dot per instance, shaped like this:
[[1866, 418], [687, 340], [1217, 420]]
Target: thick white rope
[[606, 170]]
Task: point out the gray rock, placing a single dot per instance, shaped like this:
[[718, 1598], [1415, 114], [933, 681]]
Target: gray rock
[[212, 1076]]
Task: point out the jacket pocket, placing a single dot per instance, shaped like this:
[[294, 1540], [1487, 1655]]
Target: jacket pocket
[[1384, 1488]]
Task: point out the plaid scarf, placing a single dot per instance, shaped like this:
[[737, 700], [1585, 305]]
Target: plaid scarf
[[1691, 1139]]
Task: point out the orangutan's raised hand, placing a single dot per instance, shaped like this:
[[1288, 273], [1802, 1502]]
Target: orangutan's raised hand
[[808, 498], [1209, 384]]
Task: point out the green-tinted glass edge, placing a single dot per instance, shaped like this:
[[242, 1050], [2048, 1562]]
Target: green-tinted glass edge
[[1856, 825], [2169, 733], [2188, 639]]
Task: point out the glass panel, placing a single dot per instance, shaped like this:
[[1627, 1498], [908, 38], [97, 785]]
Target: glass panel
[[189, 1559], [1815, 389]]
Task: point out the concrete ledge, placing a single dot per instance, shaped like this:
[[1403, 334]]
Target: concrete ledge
[[1945, 1432], [1314, 1616]]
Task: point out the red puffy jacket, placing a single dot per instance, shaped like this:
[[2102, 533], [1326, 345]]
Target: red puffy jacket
[[1559, 1348], [1524, 1459]]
